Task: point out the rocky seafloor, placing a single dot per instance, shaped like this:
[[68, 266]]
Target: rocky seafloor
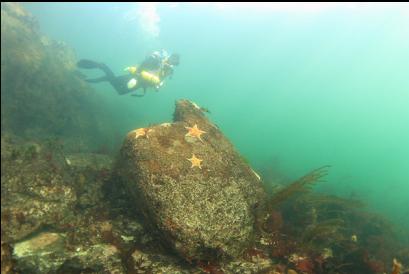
[[175, 198], [72, 213], [152, 209]]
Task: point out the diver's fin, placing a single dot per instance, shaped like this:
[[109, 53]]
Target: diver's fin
[[88, 64]]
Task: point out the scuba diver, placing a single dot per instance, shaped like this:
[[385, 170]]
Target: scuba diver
[[151, 73]]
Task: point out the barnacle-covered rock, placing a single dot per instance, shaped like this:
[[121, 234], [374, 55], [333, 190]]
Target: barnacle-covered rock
[[47, 253], [43, 253], [142, 262], [191, 185], [53, 215], [36, 191], [7, 262]]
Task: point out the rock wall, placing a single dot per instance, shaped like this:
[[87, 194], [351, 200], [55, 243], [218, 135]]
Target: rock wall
[[41, 93]]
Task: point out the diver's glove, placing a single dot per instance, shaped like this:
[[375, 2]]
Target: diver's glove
[[132, 83], [158, 86]]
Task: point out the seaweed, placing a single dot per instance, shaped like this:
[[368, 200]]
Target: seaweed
[[325, 231], [268, 219], [302, 184]]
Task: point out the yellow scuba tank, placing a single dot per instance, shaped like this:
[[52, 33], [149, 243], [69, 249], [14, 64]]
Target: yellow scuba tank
[[150, 77]]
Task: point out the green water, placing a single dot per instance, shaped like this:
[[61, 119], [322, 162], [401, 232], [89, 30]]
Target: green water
[[293, 87]]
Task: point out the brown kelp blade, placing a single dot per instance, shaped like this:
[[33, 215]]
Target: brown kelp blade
[[300, 185]]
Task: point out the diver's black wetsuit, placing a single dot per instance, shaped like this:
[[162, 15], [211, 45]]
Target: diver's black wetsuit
[[118, 82], [153, 64]]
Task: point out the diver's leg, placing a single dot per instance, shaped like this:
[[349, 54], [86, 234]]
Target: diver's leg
[[120, 83], [88, 64], [97, 80], [108, 72]]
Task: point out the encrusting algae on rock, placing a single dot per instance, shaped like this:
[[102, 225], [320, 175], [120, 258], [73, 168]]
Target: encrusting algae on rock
[[207, 214]]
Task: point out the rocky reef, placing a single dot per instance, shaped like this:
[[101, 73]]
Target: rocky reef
[[190, 184], [70, 213]]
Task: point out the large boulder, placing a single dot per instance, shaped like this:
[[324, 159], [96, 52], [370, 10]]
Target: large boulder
[[191, 185]]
